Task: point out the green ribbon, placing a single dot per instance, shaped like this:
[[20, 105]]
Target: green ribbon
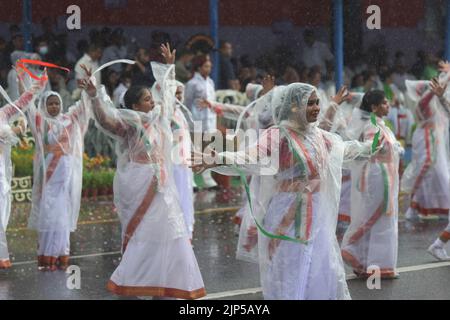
[[376, 139], [386, 187], [299, 201]]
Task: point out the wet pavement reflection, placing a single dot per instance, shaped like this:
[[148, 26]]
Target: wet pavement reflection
[[95, 248]]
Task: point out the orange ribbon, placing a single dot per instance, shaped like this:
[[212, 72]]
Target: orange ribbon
[[21, 64]]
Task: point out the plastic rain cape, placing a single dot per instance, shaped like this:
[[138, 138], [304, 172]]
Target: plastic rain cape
[[145, 193], [300, 169], [431, 137], [58, 163], [181, 122], [256, 117], [374, 198], [344, 113], [8, 114], [144, 143]]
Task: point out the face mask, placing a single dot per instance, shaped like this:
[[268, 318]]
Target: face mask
[[43, 50]]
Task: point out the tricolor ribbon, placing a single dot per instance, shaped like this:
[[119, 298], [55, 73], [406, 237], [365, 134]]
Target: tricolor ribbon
[[298, 202]]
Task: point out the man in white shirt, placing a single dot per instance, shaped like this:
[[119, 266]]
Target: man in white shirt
[[90, 60], [119, 92], [315, 53], [199, 90]]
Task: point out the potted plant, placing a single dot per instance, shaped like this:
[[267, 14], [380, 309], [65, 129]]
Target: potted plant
[[95, 184], [87, 182], [110, 181], [103, 181]]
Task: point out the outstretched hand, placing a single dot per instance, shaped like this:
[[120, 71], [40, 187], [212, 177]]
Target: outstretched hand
[[197, 163], [437, 88], [168, 55], [341, 96], [38, 85], [203, 103], [21, 127], [87, 84], [87, 71]]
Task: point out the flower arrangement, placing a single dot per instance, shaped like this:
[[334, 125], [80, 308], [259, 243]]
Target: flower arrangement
[[96, 162], [22, 159], [98, 176]]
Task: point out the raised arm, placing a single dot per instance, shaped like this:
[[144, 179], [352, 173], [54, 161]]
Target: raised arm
[[105, 115], [221, 108], [327, 122], [165, 79], [9, 113], [258, 158], [439, 90]]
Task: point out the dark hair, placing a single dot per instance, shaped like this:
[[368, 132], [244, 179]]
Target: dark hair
[[82, 45], [94, 46], [133, 95], [142, 49], [18, 35], [385, 75], [222, 43], [126, 75], [14, 28], [372, 98], [184, 52], [312, 72], [199, 61], [308, 33]]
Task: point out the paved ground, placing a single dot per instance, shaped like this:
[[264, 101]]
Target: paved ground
[[96, 245]]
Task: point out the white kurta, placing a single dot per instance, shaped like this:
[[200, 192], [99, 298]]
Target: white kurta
[[200, 88]]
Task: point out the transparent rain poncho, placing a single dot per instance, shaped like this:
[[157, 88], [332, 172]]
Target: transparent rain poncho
[[8, 115], [257, 116], [371, 239], [300, 168], [426, 178], [58, 163], [339, 124], [181, 153], [157, 259], [344, 114]]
